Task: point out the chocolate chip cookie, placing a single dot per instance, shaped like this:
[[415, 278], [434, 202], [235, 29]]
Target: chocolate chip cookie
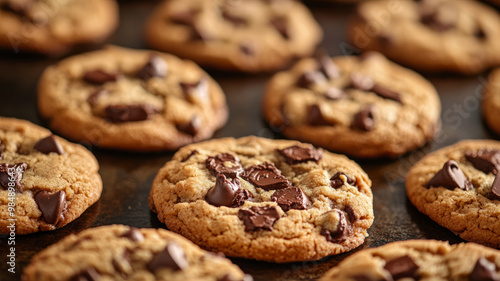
[[459, 188], [271, 200], [430, 35], [419, 260], [119, 252], [249, 36], [363, 106], [54, 27], [491, 101], [45, 182], [131, 99]]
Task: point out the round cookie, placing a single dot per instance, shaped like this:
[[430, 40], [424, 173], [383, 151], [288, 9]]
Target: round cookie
[[119, 252], [249, 36], [364, 106], [491, 101], [46, 182], [271, 200], [419, 260], [131, 99], [54, 27], [430, 35], [457, 187]]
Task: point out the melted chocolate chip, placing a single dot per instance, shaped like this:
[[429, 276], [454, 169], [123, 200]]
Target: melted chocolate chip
[[334, 93], [296, 154], [484, 270], [450, 176], [48, 145], [225, 164], [133, 234], [11, 175], [337, 182], [364, 119], [341, 233], [94, 96], [89, 274], [129, 113], [259, 218], [485, 160], [171, 257], [236, 20], [184, 17], [224, 191], [361, 82], [192, 127], [495, 188], [291, 198], [194, 152], [386, 93], [402, 267], [192, 91], [99, 77], [241, 196], [266, 176], [155, 67], [351, 213], [52, 205], [310, 78], [281, 25], [315, 116]]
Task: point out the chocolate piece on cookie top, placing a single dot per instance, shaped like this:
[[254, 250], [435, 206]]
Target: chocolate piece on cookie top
[[402, 267], [224, 163], [155, 67], [487, 161], [291, 198], [297, 154], [266, 176], [11, 175], [227, 193], [335, 233], [100, 77], [129, 113], [450, 176], [484, 270], [172, 257], [48, 145], [364, 120], [259, 218], [52, 205]]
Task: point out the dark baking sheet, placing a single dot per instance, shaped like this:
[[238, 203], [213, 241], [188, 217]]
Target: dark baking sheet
[[127, 177]]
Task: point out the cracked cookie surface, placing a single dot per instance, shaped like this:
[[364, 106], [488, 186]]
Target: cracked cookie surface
[[419, 260], [457, 187], [54, 27], [443, 35], [45, 181], [119, 252], [131, 99], [363, 106], [249, 36], [272, 200]]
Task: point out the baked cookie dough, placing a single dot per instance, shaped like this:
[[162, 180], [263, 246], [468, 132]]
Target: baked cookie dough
[[131, 99], [491, 101], [46, 182], [363, 106], [271, 200], [118, 252], [459, 187], [54, 27], [248, 36], [419, 260], [430, 35]]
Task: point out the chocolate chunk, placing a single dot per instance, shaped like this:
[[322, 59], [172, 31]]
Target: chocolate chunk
[[361, 82], [495, 188], [334, 93], [315, 116], [89, 274], [402, 267], [225, 164], [48, 145], [340, 234], [99, 77], [2, 149], [296, 154], [310, 78], [11, 175], [266, 176], [129, 113], [328, 67], [291, 198], [184, 17], [192, 127], [240, 197], [224, 191], [364, 120], [93, 97], [155, 67], [171, 257], [194, 152], [433, 21], [485, 160], [236, 20], [195, 90], [484, 270], [133, 234], [259, 218], [351, 213], [52, 205], [229, 277], [281, 25], [337, 182], [450, 176], [386, 93]]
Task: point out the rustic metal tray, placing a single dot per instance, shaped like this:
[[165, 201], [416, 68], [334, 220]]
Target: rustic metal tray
[[127, 177]]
